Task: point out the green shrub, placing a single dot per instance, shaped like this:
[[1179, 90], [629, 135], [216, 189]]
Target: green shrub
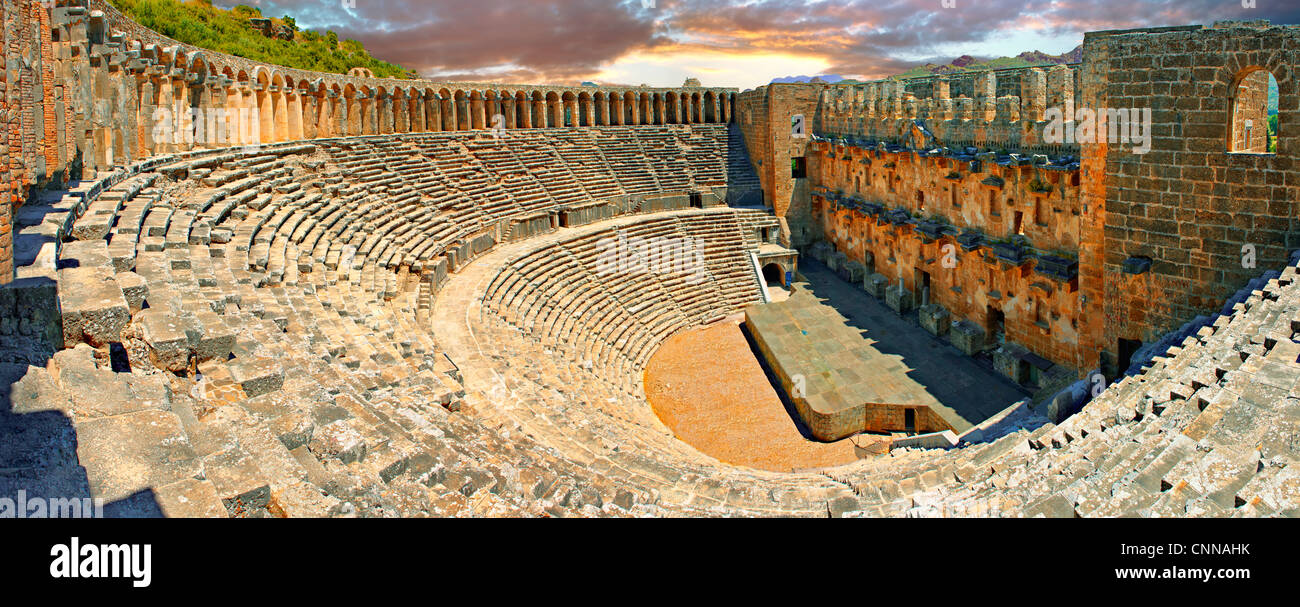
[[198, 23]]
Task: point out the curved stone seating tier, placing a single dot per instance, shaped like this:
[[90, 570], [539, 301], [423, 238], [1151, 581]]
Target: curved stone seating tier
[[323, 330], [593, 298]]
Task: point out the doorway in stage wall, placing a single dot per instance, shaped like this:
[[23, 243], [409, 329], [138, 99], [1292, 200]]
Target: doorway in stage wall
[[1127, 348], [996, 328]]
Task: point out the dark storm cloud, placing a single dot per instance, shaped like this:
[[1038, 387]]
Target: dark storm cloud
[[567, 40]]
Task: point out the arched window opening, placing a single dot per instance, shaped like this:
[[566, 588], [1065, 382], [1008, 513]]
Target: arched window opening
[[1253, 112]]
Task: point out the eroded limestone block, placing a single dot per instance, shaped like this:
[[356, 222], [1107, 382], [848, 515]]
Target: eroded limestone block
[[126, 454], [190, 498], [238, 481], [1008, 360], [86, 254], [967, 337], [876, 285], [935, 319], [216, 340], [94, 310], [853, 272], [100, 392], [257, 377], [898, 299], [169, 343], [340, 441], [135, 289]]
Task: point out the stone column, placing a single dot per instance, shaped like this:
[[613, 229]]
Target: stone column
[[415, 109], [311, 115], [371, 105], [383, 114], [297, 122], [148, 112], [986, 95], [508, 110], [557, 113], [477, 119]]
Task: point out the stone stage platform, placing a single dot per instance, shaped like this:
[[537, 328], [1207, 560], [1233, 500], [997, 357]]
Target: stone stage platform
[[839, 383]]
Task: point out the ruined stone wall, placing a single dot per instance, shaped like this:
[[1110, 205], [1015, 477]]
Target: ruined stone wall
[[864, 196], [987, 109], [1206, 219], [32, 115], [1158, 238], [764, 117]]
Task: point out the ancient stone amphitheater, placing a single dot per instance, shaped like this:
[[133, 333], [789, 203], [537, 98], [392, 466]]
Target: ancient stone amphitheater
[[380, 303]]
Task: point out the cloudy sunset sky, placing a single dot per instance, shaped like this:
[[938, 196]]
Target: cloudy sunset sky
[[736, 43]]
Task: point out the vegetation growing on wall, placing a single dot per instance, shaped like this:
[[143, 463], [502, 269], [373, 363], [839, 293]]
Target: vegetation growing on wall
[[199, 23]]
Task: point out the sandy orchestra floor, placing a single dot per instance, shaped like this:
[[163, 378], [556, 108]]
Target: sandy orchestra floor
[[707, 386]]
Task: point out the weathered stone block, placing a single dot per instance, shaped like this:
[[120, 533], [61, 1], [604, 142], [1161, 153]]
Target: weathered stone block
[[935, 319], [339, 440], [134, 288], [86, 254], [876, 285], [257, 377], [967, 337], [1009, 361], [94, 311], [169, 344], [898, 299], [126, 454], [216, 340]]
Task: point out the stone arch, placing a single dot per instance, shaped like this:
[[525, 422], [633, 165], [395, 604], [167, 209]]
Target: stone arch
[[262, 101], [554, 113], [1248, 118], [710, 107], [537, 110], [586, 113], [646, 108], [523, 115], [774, 274], [447, 109], [384, 110], [630, 115], [506, 107], [570, 113]]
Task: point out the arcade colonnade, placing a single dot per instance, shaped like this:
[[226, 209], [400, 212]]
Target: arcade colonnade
[[152, 95]]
